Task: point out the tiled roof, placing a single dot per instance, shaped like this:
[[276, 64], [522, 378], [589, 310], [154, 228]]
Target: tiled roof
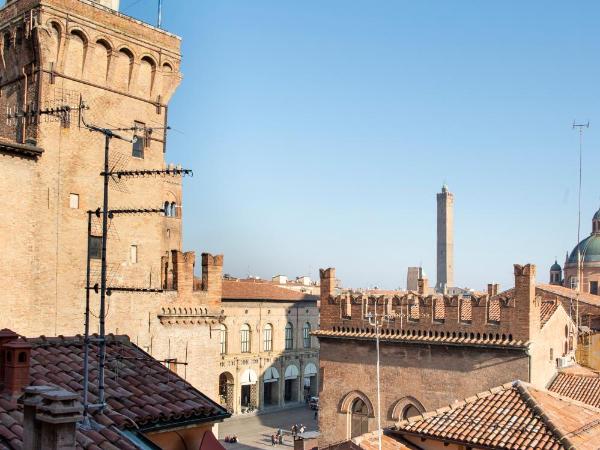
[[141, 393], [513, 416], [406, 336], [370, 441], [584, 388], [253, 290], [569, 293]]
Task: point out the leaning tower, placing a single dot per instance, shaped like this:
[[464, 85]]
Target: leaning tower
[[445, 240]]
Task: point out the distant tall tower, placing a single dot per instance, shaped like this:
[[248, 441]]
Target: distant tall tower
[[445, 240]]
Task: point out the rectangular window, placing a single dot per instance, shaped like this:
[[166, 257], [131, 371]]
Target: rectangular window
[[172, 364], [594, 287], [133, 254], [223, 340], [74, 201], [95, 247], [139, 140], [306, 335], [245, 341], [289, 338]]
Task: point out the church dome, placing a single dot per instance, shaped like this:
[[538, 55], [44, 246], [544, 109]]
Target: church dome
[[597, 215], [555, 267], [589, 249]]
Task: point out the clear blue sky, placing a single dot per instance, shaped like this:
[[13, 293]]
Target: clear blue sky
[[320, 131]]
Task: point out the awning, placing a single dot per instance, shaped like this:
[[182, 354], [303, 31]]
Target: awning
[[310, 370], [271, 375], [248, 377], [291, 372]]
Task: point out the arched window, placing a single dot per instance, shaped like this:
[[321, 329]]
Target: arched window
[[167, 209], [223, 339], [306, 335], [245, 338], [268, 338], [146, 74], [75, 58], [123, 69], [102, 52], [289, 336], [410, 411], [359, 421], [573, 282], [173, 210]]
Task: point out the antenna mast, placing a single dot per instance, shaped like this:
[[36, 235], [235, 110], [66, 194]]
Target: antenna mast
[[159, 22]]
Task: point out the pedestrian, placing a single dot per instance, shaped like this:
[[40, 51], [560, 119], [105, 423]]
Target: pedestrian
[[294, 429], [272, 440], [302, 428], [281, 439], [316, 414]]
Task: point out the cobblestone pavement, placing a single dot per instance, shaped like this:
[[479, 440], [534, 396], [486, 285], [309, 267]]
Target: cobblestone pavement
[[255, 431]]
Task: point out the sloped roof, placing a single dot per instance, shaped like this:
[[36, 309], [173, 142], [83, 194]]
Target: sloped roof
[[584, 388], [261, 290], [370, 441], [512, 416], [141, 392], [562, 291]]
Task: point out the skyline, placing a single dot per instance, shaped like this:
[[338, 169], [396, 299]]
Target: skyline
[[291, 180]]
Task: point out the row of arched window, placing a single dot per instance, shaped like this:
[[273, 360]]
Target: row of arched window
[[170, 209], [267, 337]]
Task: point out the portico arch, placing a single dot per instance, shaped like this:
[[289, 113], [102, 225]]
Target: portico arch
[[226, 390]]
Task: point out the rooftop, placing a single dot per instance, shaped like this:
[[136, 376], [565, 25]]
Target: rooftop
[[584, 388], [142, 394], [251, 289], [512, 416]]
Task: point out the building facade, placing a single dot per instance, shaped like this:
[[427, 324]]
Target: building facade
[[434, 350], [269, 357]]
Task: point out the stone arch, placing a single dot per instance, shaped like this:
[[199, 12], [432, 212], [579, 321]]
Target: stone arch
[[346, 402], [226, 390], [402, 407], [56, 34], [76, 53], [123, 68]]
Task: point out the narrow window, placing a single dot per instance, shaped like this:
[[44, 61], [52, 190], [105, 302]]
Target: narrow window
[[594, 287], [551, 354], [223, 339], [268, 338], [173, 212], [95, 247], [245, 338], [289, 336], [139, 140], [306, 335], [74, 201], [133, 254]]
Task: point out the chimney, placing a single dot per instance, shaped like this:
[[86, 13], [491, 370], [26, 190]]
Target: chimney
[[423, 286], [58, 412], [527, 306], [212, 277], [327, 284], [6, 336], [493, 289], [17, 356], [32, 428]]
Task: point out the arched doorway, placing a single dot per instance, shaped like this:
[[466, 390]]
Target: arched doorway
[[248, 391], [291, 384], [359, 418], [310, 380], [226, 390], [271, 387]]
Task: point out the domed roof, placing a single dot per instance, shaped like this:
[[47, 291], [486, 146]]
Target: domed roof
[[597, 215], [555, 267], [589, 249]]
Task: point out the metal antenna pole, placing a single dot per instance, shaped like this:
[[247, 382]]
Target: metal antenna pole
[[159, 13], [374, 321], [580, 127], [86, 339]]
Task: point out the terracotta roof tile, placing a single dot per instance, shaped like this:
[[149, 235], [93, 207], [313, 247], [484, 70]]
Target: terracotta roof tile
[[513, 416], [252, 290], [140, 391], [570, 293], [584, 388]]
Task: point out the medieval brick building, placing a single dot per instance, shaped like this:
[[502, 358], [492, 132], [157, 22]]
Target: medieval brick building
[[434, 350]]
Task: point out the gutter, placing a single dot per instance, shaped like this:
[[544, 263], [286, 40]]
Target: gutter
[[183, 423]]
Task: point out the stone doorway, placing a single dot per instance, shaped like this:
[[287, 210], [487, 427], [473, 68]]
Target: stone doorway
[[226, 390]]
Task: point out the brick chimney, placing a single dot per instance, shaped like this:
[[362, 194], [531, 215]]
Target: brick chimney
[[58, 413], [493, 289], [212, 277], [527, 305], [6, 336], [327, 284], [17, 356], [32, 429]]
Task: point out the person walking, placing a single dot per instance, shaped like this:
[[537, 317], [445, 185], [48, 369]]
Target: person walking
[[272, 440]]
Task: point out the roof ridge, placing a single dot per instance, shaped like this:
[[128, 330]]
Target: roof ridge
[[522, 389]]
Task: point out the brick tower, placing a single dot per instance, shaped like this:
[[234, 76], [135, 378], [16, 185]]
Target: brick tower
[[445, 240], [54, 53]]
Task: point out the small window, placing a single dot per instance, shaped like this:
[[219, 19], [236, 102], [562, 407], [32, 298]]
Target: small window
[[268, 338], [95, 247], [306, 335], [223, 339], [139, 140], [245, 338], [289, 336], [133, 254], [74, 201], [551, 355], [594, 287], [168, 233]]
